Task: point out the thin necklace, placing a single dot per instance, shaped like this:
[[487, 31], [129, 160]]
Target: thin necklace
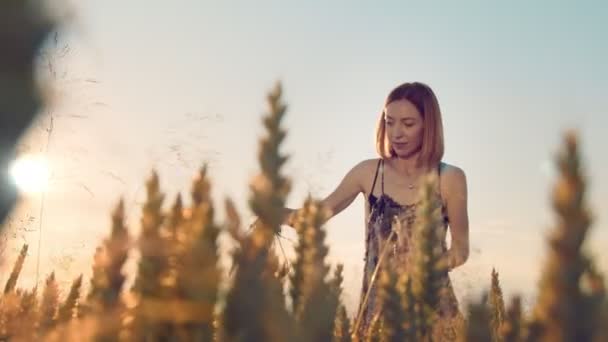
[[411, 184]]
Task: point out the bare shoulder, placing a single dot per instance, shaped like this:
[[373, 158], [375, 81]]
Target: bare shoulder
[[351, 185], [453, 178], [362, 171], [368, 165], [366, 168], [452, 173]]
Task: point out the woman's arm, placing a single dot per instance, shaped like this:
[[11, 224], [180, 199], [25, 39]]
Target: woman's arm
[[456, 203], [344, 194]]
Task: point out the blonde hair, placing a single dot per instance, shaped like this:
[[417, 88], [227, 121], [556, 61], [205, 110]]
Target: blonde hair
[[423, 98]]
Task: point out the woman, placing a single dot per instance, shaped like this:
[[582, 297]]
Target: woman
[[409, 140]]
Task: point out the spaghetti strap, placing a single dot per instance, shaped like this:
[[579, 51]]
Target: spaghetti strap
[[382, 176], [375, 177], [439, 175], [439, 181]]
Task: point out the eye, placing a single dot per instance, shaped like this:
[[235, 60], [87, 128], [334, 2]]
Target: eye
[[389, 123]]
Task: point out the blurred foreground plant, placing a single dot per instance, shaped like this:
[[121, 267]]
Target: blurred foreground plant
[[25, 25], [177, 291]]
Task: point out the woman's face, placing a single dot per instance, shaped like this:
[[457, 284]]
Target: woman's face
[[404, 127]]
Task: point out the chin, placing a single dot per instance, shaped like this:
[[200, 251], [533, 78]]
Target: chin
[[405, 154]]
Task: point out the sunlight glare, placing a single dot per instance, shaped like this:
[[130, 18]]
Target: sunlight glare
[[30, 173]]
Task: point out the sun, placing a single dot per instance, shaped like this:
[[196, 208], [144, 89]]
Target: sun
[[30, 173]]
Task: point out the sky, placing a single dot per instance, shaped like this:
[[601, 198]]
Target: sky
[[171, 85]]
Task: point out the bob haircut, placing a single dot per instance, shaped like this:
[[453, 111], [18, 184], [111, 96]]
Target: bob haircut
[[423, 98]]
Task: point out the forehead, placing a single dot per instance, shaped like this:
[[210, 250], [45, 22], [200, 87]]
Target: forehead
[[402, 109]]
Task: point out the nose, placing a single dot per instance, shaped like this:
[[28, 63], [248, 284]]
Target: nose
[[398, 134]]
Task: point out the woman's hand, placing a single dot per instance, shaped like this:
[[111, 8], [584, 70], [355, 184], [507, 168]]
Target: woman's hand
[[288, 220]]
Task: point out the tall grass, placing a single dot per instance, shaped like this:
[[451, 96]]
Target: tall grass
[[176, 295]]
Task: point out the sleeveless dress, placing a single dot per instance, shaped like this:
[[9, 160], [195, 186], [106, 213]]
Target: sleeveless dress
[[382, 211]]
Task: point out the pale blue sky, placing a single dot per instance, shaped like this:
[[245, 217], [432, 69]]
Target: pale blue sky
[[181, 82]]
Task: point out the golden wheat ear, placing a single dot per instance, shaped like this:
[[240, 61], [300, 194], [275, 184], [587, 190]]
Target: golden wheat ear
[[428, 267], [49, 304], [68, 309], [497, 305], [255, 305], [391, 298], [12, 279], [564, 311]]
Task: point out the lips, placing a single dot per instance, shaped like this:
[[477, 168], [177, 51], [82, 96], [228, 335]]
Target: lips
[[399, 145]]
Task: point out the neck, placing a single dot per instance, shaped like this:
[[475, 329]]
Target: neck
[[407, 164]]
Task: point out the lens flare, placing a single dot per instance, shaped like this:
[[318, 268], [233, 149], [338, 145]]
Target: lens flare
[[30, 173]]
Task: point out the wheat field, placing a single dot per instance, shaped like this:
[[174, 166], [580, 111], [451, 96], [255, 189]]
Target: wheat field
[[182, 292]]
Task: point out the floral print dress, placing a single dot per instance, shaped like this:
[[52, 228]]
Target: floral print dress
[[383, 210]]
